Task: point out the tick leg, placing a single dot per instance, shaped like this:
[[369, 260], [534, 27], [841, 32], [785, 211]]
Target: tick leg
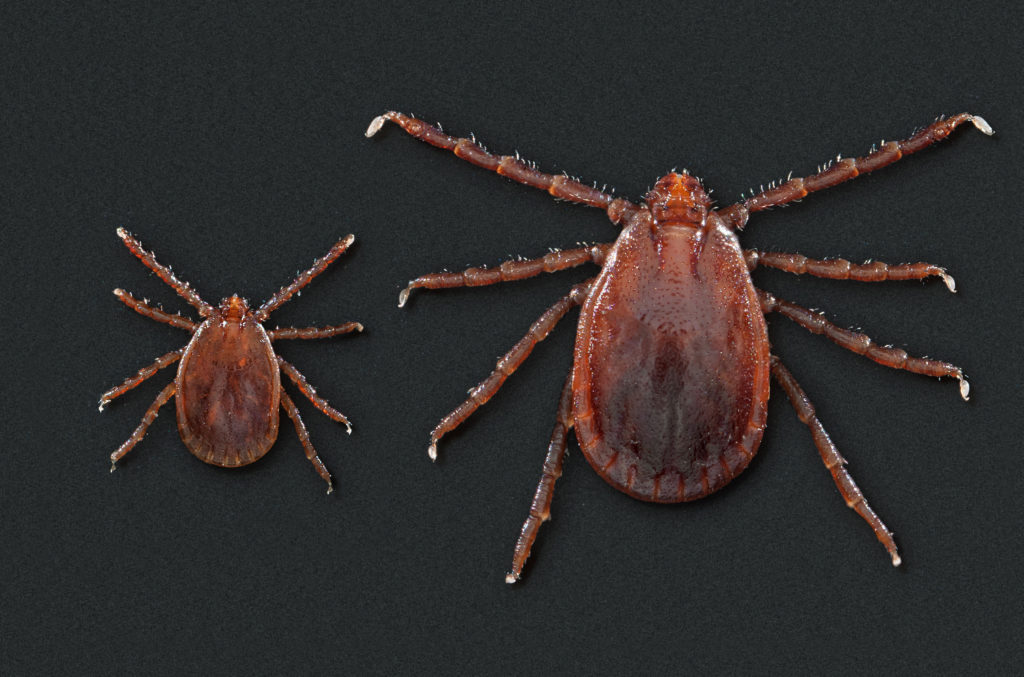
[[507, 365], [540, 509], [164, 273], [560, 186], [847, 168], [319, 266], [142, 375], [300, 429], [841, 269], [833, 461], [143, 308], [166, 394], [313, 332], [862, 343], [508, 271], [299, 380]]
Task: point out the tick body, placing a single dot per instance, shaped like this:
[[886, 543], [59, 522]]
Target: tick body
[[228, 388], [670, 381]]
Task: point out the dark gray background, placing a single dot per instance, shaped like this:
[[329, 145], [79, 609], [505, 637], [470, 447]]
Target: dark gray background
[[231, 142]]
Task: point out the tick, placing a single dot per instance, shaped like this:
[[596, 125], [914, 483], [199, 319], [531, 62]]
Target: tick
[[670, 380], [228, 388]]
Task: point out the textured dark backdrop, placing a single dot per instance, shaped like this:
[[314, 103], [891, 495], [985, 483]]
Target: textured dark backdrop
[[231, 142]]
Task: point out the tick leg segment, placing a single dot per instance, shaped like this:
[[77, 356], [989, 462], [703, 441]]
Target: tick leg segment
[[509, 270], [559, 185], [143, 308], [507, 365], [841, 269], [833, 461], [540, 509], [299, 380], [166, 394], [319, 266], [313, 332], [862, 343], [300, 429], [142, 375], [164, 273], [847, 168]]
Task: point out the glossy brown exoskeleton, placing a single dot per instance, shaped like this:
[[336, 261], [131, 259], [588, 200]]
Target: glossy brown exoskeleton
[[228, 388], [669, 388]]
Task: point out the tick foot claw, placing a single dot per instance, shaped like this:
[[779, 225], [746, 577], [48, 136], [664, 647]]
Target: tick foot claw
[[979, 122], [432, 451], [950, 282], [511, 578], [965, 388], [379, 121]]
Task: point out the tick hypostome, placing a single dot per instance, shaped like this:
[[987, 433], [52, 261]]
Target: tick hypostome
[[228, 388], [669, 386]]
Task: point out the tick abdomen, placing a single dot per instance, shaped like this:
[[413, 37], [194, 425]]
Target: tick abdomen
[[229, 392], [672, 362]]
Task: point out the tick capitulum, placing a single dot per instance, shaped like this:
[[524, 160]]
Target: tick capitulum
[[669, 388], [228, 388]]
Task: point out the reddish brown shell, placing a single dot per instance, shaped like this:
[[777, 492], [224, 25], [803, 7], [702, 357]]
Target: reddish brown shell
[[228, 392], [671, 372]]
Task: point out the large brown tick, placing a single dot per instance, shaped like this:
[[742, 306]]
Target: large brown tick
[[228, 388], [669, 386]]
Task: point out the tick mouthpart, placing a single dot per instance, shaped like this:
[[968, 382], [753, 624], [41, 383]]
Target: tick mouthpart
[[678, 198], [234, 308]]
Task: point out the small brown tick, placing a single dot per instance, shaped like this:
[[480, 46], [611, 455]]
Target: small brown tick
[[228, 388], [669, 387]]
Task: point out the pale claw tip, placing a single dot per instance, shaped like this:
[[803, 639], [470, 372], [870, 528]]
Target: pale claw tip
[[432, 451], [965, 389], [950, 282], [122, 233], [359, 327], [119, 292], [330, 488], [379, 121], [511, 578], [113, 466], [403, 296], [983, 126], [896, 561], [101, 405], [348, 428]]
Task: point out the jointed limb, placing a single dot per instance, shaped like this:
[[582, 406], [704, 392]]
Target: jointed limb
[[305, 278], [833, 461], [143, 308], [313, 332], [507, 365], [848, 168], [142, 375], [299, 380], [307, 445], [558, 185], [841, 269], [164, 273], [540, 509], [862, 343], [509, 270], [166, 394]]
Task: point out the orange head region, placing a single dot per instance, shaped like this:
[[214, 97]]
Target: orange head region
[[234, 308], [678, 198]]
